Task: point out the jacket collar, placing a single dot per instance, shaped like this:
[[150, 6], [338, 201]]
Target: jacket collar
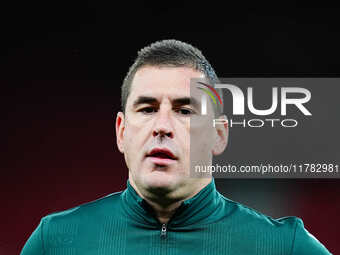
[[206, 206]]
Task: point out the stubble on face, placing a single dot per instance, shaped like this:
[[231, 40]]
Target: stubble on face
[[157, 133]]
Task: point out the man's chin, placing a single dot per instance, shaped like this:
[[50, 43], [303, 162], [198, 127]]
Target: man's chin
[[161, 181]]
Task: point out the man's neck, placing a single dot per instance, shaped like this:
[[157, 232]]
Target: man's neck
[[164, 207], [164, 214]]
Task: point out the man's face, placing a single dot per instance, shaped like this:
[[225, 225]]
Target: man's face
[[155, 132]]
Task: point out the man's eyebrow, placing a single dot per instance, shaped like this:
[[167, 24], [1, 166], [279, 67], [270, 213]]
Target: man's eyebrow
[[177, 101], [186, 101], [144, 100]]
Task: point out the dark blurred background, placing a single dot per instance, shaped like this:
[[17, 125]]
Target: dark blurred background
[[62, 64]]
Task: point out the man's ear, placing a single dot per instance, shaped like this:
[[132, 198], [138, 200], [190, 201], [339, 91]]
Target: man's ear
[[120, 128], [222, 130]]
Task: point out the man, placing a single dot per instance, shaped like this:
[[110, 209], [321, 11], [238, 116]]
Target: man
[[165, 210]]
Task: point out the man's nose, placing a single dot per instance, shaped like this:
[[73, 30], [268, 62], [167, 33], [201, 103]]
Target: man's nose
[[163, 124]]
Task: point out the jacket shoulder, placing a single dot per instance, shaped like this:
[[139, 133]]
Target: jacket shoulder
[[289, 229], [98, 207], [64, 228], [250, 216]]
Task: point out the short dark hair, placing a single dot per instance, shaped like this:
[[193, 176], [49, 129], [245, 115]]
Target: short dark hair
[[171, 53]]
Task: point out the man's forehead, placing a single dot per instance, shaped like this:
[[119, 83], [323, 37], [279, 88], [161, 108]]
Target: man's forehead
[[154, 81]]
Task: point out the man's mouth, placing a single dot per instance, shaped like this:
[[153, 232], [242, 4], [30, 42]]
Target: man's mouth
[[161, 156]]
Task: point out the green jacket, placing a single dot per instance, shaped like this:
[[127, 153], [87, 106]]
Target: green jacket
[[208, 223]]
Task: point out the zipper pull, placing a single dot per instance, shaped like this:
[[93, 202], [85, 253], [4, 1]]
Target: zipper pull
[[163, 230]]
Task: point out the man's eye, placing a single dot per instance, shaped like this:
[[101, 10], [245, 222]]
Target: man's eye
[[184, 111], [147, 110]]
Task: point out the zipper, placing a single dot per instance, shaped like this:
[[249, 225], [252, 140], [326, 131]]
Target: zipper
[[163, 230]]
